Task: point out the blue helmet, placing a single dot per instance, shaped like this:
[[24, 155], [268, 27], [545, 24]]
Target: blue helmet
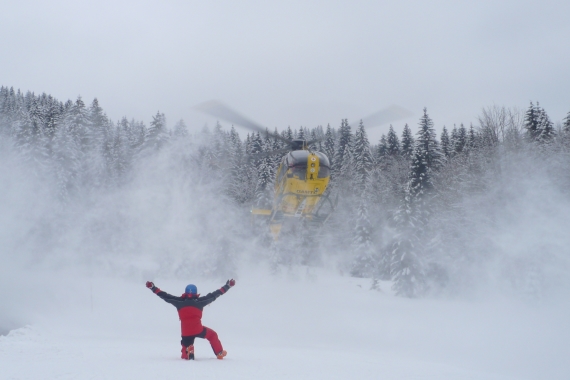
[[191, 289]]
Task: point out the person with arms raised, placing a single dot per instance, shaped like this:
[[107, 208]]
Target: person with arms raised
[[190, 306]]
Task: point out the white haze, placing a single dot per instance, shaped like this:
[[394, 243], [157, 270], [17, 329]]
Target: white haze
[[516, 238], [501, 312], [169, 219]]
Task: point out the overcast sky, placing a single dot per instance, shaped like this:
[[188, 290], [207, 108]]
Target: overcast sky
[[294, 62]]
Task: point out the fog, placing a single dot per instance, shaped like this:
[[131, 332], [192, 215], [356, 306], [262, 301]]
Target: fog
[[79, 237], [172, 218]]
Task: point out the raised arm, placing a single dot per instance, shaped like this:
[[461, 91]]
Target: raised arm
[[165, 296], [211, 297]]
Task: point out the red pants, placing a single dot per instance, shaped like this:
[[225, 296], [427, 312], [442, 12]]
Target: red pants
[[207, 333]]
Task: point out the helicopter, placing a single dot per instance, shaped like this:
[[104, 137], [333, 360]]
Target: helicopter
[[301, 185]]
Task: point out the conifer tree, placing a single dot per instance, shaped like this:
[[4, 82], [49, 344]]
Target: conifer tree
[[426, 145], [254, 163], [472, 138], [5, 129], [405, 259], [566, 129], [238, 184], [120, 161], [138, 135], [392, 143], [315, 140], [40, 141], [181, 130], [344, 171], [275, 145], [109, 153], [52, 118], [460, 140], [289, 133], [96, 121], [531, 122], [67, 155], [566, 125], [22, 128], [14, 110], [345, 140], [96, 136], [446, 148], [214, 152], [361, 245], [79, 120], [343, 147], [407, 142], [329, 145], [247, 145], [35, 113], [157, 135], [412, 220], [362, 159], [545, 131], [453, 138], [381, 149], [265, 177], [256, 144], [127, 136]]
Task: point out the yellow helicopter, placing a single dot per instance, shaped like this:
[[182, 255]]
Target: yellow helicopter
[[302, 178], [300, 189]]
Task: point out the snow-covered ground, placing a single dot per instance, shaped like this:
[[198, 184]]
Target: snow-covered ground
[[305, 324]]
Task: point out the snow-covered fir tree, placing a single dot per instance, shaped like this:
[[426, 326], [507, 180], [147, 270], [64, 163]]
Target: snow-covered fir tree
[[343, 147], [265, 176], [531, 122], [545, 132], [460, 140], [566, 124], [407, 142], [405, 253], [472, 142], [381, 149], [157, 135], [362, 248], [412, 220], [362, 159], [446, 147], [180, 129], [329, 145], [392, 143], [566, 129]]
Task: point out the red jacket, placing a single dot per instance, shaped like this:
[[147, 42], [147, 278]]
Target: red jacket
[[190, 308]]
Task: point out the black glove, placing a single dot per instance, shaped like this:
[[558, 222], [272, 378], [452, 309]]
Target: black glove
[[231, 282]]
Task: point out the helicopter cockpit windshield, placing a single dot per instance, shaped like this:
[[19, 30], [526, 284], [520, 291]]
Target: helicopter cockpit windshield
[[297, 162]]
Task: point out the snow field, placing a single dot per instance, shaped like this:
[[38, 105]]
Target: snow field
[[302, 325]]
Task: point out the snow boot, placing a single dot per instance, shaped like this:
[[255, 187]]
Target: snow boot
[[220, 355], [187, 352]]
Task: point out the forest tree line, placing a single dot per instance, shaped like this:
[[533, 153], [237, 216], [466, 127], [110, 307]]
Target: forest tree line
[[409, 206]]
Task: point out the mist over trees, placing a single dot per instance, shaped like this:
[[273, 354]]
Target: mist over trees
[[480, 204]]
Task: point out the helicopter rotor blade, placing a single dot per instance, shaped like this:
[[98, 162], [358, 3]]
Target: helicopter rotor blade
[[220, 110], [385, 116]]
